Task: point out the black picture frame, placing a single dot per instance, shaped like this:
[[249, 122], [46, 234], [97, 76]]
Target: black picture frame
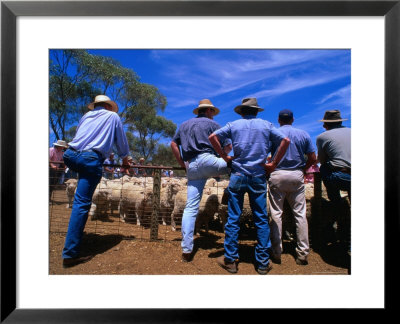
[[10, 10]]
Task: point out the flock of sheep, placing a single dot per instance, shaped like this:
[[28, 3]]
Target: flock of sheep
[[132, 197]]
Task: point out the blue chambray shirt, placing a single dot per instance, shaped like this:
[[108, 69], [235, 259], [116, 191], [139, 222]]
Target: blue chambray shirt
[[193, 134], [251, 140], [99, 130], [300, 144]]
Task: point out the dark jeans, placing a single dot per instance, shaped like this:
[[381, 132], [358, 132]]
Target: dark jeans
[[335, 181], [256, 187], [89, 167]]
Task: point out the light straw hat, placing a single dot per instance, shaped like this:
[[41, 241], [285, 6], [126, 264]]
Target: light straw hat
[[206, 103], [61, 143], [103, 98]]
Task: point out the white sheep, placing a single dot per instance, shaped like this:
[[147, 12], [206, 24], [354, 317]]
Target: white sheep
[[100, 200], [115, 187], [169, 189], [70, 190], [135, 200]]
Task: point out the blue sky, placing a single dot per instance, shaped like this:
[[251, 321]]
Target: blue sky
[[306, 81]]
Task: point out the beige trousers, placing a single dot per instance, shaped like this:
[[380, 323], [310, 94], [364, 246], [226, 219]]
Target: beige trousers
[[290, 185]]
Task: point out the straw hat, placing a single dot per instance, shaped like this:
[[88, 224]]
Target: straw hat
[[61, 143], [248, 102], [206, 103], [103, 98], [332, 116]]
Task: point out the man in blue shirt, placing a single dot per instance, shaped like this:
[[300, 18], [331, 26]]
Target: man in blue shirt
[[192, 137], [97, 132], [287, 181], [251, 137]]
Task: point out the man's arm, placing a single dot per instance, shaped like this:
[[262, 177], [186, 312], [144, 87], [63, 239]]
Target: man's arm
[[228, 148], [311, 160], [177, 154], [271, 166], [213, 138]]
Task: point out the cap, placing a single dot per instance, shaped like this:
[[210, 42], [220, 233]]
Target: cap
[[286, 114]]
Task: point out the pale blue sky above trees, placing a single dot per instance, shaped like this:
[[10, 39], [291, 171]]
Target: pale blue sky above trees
[[306, 81]]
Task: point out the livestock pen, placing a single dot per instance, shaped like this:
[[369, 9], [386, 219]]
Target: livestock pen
[[150, 207], [134, 227]]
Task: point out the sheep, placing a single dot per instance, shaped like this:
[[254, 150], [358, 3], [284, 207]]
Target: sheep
[[169, 189], [209, 205], [114, 197], [210, 183], [100, 200], [179, 206], [70, 190], [180, 203], [134, 200]]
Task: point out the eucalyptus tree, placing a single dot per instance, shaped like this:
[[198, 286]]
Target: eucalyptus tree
[[141, 115]]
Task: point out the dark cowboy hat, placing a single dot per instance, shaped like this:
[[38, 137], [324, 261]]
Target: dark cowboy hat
[[206, 103], [248, 102], [332, 116]]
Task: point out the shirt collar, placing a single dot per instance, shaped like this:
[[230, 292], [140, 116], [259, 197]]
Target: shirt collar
[[249, 117]]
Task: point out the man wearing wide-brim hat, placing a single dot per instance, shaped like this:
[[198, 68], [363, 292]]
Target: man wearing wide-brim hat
[[334, 154], [98, 131], [202, 163], [56, 163], [251, 138]]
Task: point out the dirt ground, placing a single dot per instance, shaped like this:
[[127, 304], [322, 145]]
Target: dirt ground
[[122, 248]]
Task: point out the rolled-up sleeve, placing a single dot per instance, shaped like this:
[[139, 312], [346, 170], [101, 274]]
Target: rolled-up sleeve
[[121, 141], [177, 137], [276, 135], [224, 134]]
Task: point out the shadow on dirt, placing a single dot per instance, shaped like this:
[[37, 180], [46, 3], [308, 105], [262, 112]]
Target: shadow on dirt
[[93, 244]]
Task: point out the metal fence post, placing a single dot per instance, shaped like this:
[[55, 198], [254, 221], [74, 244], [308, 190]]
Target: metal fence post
[[317, 211], [156, 205]]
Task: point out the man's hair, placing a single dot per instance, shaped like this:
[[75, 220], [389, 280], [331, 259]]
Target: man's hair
[[334, 124], [100, 104], [249, 111], [285, 119], [202, 111]]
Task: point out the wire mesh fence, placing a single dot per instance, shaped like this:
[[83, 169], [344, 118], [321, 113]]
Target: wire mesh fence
[[149, 205]]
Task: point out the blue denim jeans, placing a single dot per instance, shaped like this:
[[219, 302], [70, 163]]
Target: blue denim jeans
[[256, 187], [200, 168], [89, 167], [335, 181]]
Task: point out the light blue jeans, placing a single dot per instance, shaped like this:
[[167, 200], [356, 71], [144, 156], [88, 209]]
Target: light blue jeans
[[202, 167], [256, 187], [89, 167]]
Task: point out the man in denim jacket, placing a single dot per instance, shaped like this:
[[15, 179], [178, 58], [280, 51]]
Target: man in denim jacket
[[202, 161], [251, 138]]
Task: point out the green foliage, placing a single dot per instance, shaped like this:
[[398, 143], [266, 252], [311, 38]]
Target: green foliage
[[146, 125], [165, 157], [76, 77]]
